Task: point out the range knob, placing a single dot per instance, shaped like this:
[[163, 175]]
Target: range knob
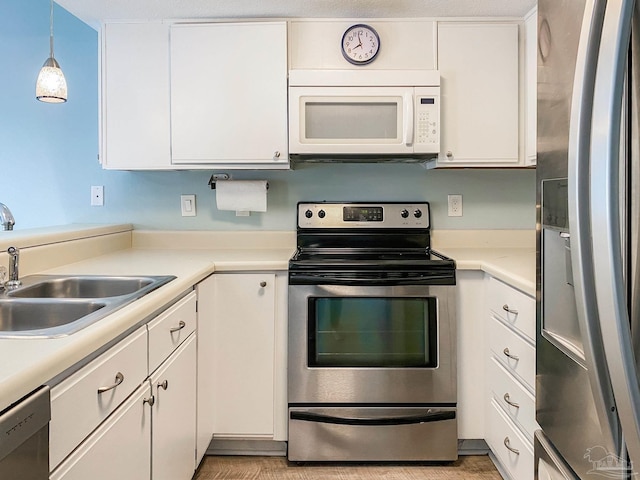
[[404, 213], [322, 214], [417, 213], [308, 214]]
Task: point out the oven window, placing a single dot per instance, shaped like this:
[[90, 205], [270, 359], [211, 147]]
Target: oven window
[[372, 332]]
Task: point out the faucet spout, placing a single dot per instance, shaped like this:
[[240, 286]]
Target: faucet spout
[[6, 217]]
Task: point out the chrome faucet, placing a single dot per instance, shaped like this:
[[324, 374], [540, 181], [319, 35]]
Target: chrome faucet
[[6, 217], [14, 259]]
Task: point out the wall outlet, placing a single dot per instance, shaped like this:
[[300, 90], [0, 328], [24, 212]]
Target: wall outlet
[[188, 205], [455, 205], [97, 195]]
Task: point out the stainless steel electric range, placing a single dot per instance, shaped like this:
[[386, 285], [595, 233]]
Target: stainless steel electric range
[[372, 343]]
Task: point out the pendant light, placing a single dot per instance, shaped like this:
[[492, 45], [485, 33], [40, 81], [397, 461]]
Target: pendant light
[[51, 86]]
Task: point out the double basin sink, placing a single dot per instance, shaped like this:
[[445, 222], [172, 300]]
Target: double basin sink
[[49, 306]]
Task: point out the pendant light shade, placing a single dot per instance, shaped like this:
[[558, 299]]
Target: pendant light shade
[[51, 86]]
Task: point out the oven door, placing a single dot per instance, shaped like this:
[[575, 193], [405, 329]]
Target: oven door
[[372, 344]]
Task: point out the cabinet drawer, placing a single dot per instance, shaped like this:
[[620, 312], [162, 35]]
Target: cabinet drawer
[[77, 407], [507, 389], [502, 432], [170, 329], [517, 355], [514, 307]]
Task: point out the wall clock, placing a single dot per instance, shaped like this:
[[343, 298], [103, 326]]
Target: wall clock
[[360, 44]]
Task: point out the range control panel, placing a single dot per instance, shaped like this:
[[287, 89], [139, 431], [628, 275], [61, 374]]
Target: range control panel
[[363, 215]]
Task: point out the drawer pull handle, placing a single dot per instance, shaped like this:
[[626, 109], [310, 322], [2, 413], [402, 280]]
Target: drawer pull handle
[[508, 354], [507, 444], [119, 380], [151, 400], [507, 399], [164, 385], [180, 326], [506, 308], [263, 284]]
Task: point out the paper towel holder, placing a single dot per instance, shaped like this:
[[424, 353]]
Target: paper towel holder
[[217, 176], [221, 176]]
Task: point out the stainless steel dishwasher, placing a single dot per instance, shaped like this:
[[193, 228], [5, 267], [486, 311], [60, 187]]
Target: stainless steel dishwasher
[[24, 438]]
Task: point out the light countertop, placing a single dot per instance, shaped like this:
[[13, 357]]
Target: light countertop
[[514, 266], [25, 364]]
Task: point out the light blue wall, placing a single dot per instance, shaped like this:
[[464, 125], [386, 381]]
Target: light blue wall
[[48, 156]]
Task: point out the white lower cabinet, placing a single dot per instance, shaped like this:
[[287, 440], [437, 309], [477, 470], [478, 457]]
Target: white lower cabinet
[[118, 449], [113, 419], [205, 401], [510, 375], [82, 401], [174, 415], [249, 355]]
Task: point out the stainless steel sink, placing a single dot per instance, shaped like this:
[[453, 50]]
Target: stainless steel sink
[[48, 306], [21, 316], [82, 287]]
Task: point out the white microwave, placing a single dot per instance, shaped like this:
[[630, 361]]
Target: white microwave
[[364, 113]]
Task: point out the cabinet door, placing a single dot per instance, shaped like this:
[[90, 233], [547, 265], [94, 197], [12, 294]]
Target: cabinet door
[[243, 354], [478, 64], [229, 94], [174, 415], [135, 96], [206, 312], [118, 449]]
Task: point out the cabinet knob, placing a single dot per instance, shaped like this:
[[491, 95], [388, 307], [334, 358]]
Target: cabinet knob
[[276, 155], [163, 385], [151, 400], [449, 154], [263, 284]]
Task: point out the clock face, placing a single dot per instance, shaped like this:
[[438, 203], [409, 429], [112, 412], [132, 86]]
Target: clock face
[[360, 44]]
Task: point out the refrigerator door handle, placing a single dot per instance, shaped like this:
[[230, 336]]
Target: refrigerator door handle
[[580, 270], [605, 220]]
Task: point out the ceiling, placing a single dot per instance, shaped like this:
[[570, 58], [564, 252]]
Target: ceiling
[[94, 12]]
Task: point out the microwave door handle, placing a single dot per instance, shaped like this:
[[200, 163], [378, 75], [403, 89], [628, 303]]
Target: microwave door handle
[[407, 134]]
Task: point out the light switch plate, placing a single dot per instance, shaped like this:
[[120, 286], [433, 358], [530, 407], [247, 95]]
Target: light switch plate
[[188, 205]]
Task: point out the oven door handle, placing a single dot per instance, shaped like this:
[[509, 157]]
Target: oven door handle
[[321, 279], [428, 416]]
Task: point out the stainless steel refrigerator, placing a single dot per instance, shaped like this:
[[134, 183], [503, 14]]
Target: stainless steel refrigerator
[[587, 390]]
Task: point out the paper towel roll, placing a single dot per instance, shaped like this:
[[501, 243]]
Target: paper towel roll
[[242, 195]]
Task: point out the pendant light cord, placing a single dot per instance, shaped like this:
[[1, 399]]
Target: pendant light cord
[[51, 31]]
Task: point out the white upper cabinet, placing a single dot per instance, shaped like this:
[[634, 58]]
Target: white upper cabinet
[[480, 94], [229, 94], [135, 129]]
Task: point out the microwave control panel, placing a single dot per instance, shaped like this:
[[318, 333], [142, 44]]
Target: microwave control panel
[[427, 120]]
